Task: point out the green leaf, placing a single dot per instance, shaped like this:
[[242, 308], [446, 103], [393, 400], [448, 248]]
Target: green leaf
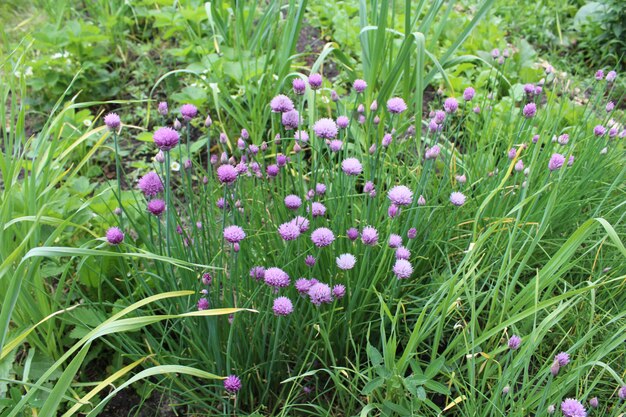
[[372, 385]]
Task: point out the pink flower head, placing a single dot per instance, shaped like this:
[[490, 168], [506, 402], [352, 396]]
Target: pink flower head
[[281, 104], [359, 86], [112, 121], [322, 237], [114, 236], [318, 209], [315, 81], [188, 111], [276, 277], [227, 174], [302, 223], [468, 94], [514, 342], [352, 233], [234, 234], [400, 195], [342, 122], [150, 184], [529, 110], [369, 236], [156, 206], [203, 304], [556, 161], [299, 86], [395, 241], [599, 130], [293, 202], [573, 408], [457, 198], [611, 76], [403, 253], [396, 105], [289, 231], [232, 383], [339, 291], [282, 306], [290, 119], [162, 108], [346, 261], [320, 293], [450, 105], [166, 138], [402, 268], [351, 166], [325, 128]]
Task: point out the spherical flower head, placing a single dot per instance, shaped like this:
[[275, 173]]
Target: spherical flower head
[[421, 201], [289, 231], [150, 184], [281, 160], [554, 369], [165, 138], [276, 277], [573, 408], [396, 105], [359, 85], [369, 236], [227, 174], [457, 198], [476, 110], [318, 209], [439, 117], [320, 189], [320, 293], [562, 358], [368, 187], [594, 403], [387, 139], [162, 108], [188, 111], [393, 211], [343, 122], [519, 166], [403, 253], [302, 223], [272, 170], [495, 53], [322, 237], [282, 306], [551, 409], [114, 236], [234, 234], [334, 96], [290, 119], [207, 278], [529, 110], [293, 202], [412, 233], [432, 153], [563, 139], [257, 272], [112, 121], [302, 136], [514, 342], [468, 94], [302, 285], [351, 166], [335, 145], [450, 105], [315, 81], [599, 130], [352, 233], [529, 89], [535, 138], [346, 261], [400, 195], [611, 76], [203, 304], [339, 291], [402, 268], [232, 383], [309, 261], [599, 75], [612, 132], [156, 206], [461, 179], [395, 241], [299, 86], [512, 153], [281, 104], [622, 393], [325, 128], [556, 162]]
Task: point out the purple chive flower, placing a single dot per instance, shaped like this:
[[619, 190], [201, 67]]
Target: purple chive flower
[[293, 202], [550, 409], [257, 272], [432, 153], [208, 122], [369, 236], [346, 261], [232, 383], [396, 105], [339, 291], [156, 206], [360, 108], [457, 198], [234, 234], [461, 179], [393, 211], [554, 369], [207, 278], [395, 241], [359, 86], [612, 132], [325, 128], [529, 110], [302, 285], [318, 209], [368, 187], [402, 268], [599, 75], [188, 111], [245, 134], [162, 108], [282, 306], [622, 393], [403, 253], [165, 138], [535, 138], [563, 139], [114, 236], [594, 403], [514, 342], [302, 223], [177, 124], [556, 161], [573, 408], [203, 304], [421, 201], [112, 121], [450, 105], [352, 233], [289, 231], [335, 145], [387, 139], [281, 104], [439, 117], [150, 184], [495, 53], [227, 174], [276, 277], [334, 96], [320, 293], [320, 189], [281, 160], [342, 122], [302, 136], [374, 106], [529, 89], [599, 130], [562, 358], [611, 76], [412, 233], [309, 261], [299, 86], [272, 170], [519, 166], [609, 106], [315, 81], [351, 166], [468, 94], [512, 153], [400, 195], [476, 109], [322, 237], [159, 157], [570, 161], [290, 119]]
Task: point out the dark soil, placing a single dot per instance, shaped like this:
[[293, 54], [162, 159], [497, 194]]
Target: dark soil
[[128, 403], [310, 43]]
